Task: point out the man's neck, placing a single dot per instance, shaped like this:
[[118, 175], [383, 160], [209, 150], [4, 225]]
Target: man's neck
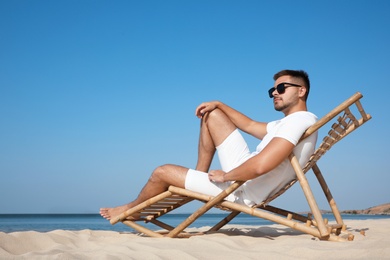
[[297, 108]]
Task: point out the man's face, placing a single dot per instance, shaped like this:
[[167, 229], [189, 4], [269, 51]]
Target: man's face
[[282, 102]]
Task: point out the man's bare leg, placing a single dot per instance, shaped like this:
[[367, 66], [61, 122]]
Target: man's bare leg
[[215, 128], [161, 178]]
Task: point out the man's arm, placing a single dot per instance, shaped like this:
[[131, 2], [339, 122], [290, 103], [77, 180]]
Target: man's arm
[[271, 156], [241, 121]]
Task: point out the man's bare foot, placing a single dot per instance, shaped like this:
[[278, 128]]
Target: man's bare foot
[[109, 213]]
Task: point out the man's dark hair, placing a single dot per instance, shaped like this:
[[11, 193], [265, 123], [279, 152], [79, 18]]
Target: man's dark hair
[[300, 74]]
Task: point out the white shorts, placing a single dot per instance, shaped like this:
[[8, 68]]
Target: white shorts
[[231, 153]]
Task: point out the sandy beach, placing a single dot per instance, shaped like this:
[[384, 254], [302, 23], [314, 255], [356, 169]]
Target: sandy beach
[[232, 242]]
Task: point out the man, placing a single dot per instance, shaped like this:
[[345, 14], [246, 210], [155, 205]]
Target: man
[[266, 170]]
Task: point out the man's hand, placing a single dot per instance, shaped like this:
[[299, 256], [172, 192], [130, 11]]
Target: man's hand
[[205, 107], [217, 176]]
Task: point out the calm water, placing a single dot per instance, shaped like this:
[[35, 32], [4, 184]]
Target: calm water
[[49, 222]]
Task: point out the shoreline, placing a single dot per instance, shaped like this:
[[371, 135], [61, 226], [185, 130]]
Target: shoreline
[[382, 209]]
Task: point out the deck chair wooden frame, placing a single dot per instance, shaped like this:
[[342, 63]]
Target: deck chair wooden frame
[[348, 120]]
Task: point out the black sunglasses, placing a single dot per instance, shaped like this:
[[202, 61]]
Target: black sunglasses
[[281, 88]]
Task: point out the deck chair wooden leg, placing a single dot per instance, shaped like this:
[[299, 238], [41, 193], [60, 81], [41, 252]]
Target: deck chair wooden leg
[[328, 194], [161, 224], [224, 221], [142, 229], [286, 213], [309, 196]]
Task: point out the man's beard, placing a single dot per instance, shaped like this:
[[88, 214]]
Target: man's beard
[[280, 108], [284, 106]]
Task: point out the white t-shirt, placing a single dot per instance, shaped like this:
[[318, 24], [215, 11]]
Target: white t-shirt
[[290, 128]]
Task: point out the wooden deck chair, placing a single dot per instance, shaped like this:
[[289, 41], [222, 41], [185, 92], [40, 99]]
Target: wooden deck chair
[[350, 115]]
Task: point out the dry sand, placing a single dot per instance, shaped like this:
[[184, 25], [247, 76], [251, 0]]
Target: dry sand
[[233, 242]]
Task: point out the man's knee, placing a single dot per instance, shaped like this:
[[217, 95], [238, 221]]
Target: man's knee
[[169, 174], [214, 115], [163, 172], [219, 122], [159, 172]]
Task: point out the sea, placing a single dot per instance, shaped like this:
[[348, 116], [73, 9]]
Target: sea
[[49, 222]]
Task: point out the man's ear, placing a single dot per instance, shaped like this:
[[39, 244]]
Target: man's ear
[[302, 91]]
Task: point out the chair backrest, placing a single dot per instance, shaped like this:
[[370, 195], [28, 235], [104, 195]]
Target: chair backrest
[[348, 120]]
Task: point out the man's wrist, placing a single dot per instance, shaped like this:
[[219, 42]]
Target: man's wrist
[[224, 177]]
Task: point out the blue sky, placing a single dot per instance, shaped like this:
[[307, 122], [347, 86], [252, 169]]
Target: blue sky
[[95, 94]]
